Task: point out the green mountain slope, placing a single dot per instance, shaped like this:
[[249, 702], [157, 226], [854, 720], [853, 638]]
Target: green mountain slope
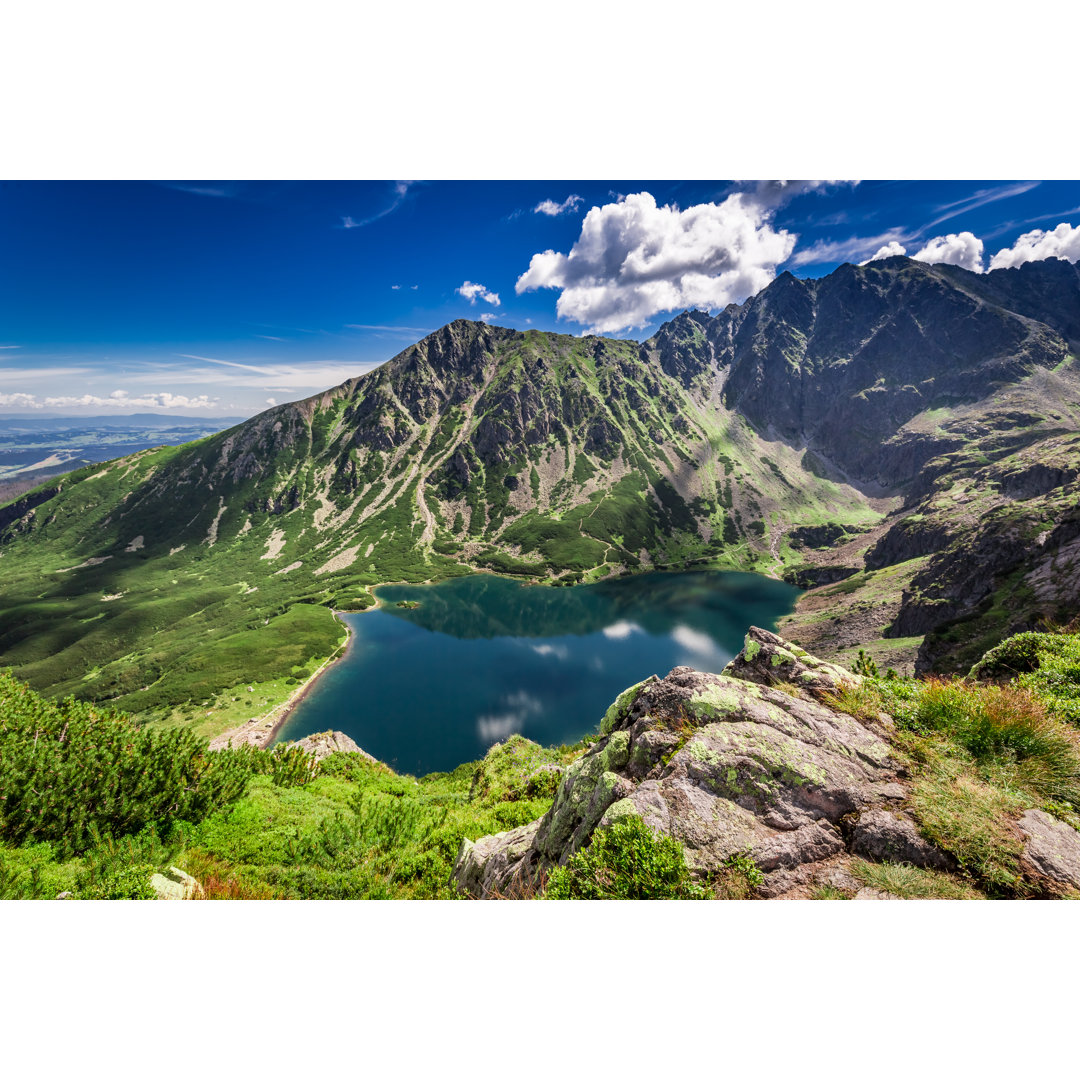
[[901, 410]]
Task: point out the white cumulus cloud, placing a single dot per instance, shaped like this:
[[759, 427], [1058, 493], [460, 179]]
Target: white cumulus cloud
[[554, 209], [1062, 242], [957, 249], [21, 401], [471, 290], [635, 259], [886, 251]]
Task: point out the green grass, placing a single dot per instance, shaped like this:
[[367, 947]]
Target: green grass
[[909, 882], [979, 755], [971, 818], [1047, 664]]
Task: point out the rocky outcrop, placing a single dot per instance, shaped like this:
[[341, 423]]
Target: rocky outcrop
[[176, 885], [751, 762], [1051, 848], [768, 659], [810, 577], [325, 743], [887, 836]]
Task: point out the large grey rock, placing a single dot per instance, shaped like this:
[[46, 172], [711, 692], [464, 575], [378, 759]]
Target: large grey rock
[[768, 659], [325, 743], [886, 836], [496, 865], [727, 767], [176, 885], [1051, 847]]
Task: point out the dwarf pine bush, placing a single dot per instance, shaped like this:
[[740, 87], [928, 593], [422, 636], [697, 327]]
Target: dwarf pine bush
[[70, 772]]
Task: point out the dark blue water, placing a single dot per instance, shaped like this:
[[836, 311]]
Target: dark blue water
[[483, 657]]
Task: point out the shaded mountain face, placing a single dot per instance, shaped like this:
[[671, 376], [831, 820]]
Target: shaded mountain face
[[841, 365], [553, 457]]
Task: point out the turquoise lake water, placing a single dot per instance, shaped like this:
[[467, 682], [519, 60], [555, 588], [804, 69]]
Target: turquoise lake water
[[483, 657]]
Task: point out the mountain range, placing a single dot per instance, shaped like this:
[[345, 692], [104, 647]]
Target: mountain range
[[902, 438]]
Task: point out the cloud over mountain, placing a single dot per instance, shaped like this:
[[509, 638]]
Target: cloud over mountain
[[957, 249], [886, 251], [1060, 243], [635, 259]]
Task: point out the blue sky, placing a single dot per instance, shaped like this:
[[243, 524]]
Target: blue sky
[[215, 297]]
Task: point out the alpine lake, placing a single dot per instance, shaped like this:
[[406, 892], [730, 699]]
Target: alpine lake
[[438, 673]]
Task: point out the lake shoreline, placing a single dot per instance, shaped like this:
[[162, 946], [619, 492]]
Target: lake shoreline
[[289, 706], [493, 624], [260, 731]]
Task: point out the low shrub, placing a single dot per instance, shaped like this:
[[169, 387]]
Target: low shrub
[[71, 773], [1006, 727], [627, 861]]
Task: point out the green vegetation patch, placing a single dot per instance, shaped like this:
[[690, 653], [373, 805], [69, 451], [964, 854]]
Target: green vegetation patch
[[627, 861], [909, 882]]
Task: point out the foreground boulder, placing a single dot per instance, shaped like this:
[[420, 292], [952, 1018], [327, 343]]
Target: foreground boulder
[[1051, 848], [728, 766], [176, 885], [324, 743]]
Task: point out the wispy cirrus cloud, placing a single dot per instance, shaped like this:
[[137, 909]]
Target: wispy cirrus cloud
[[211, 189], [226, 363], [979, 198], [852, 249], [401, 190], [24, 374], [397, 329], [10, 346], [284, 378], [955, 248], [554, 209]]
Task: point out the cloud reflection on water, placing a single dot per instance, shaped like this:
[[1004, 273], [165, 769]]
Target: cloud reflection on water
[[694, 641], [495, 727], [621, 629], [560, 652]]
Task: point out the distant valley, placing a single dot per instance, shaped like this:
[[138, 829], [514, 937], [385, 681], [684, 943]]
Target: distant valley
[[33, 449]]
